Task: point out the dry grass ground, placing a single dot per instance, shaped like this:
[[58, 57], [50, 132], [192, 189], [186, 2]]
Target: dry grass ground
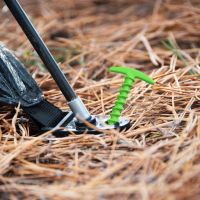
[[159, 156]]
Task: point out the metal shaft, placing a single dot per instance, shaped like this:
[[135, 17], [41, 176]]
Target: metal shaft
[[47, 58]]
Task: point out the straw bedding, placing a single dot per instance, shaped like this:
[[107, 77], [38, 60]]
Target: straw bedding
[[159, 156]]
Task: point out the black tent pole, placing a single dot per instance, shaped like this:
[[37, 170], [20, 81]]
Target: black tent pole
[[75, 103]]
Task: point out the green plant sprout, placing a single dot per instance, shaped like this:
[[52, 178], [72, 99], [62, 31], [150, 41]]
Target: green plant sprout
[[130, 76], [173, 47]]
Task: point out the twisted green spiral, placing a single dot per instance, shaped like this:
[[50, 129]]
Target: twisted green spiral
[[131, 75], [121, 100]]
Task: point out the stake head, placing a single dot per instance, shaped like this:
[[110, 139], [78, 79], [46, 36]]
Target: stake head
[[132, 73]]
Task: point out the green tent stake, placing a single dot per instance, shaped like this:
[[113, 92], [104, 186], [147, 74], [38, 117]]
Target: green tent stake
[[131, 75]]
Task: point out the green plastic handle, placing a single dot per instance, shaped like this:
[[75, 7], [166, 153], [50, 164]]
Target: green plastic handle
[[131, 75]]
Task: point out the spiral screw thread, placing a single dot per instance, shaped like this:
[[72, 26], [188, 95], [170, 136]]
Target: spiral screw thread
[[131, 75], [121, 100]]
